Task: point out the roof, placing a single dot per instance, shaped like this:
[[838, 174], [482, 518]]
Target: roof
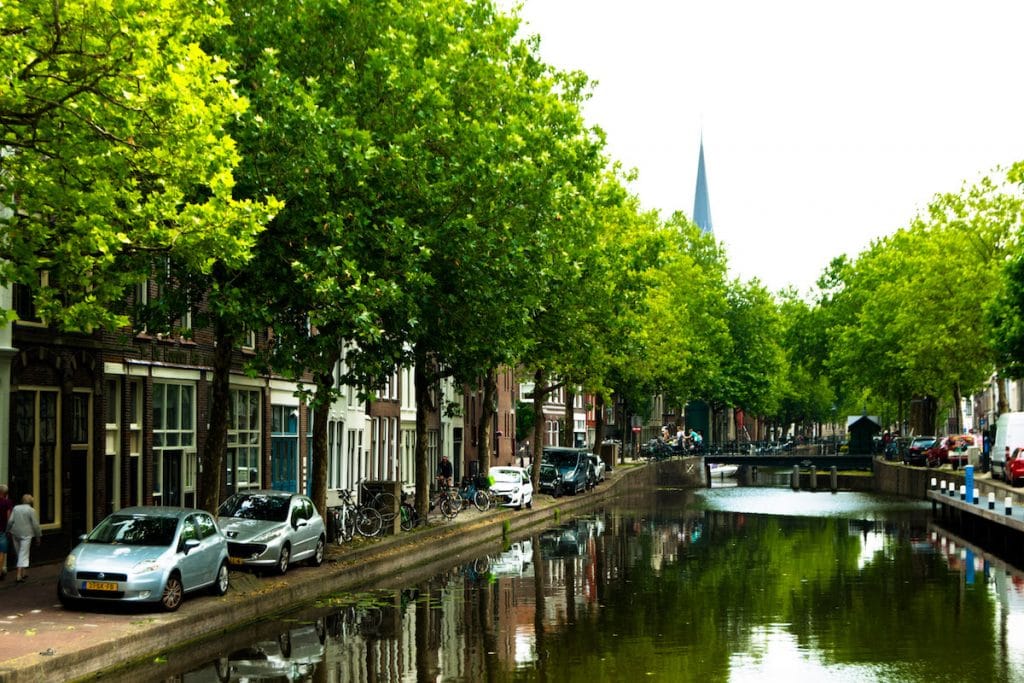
[[701, 201], [854, 419]]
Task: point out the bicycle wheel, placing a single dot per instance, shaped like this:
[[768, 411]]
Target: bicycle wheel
[[384, 503], [368, 522], [481, 500], [450, 506], [409, 517], [348, 525]]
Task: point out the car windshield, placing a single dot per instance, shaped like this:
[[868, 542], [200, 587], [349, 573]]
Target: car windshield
[[255, 506], [547, 468], [135, 530], [923, 442], [562, 459], [506, 475]]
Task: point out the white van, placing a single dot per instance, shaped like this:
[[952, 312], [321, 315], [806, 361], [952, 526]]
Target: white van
[[1009, 436]]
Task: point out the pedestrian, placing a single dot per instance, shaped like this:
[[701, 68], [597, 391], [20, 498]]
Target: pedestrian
[[5, 514], [444, 472], [24, 528]]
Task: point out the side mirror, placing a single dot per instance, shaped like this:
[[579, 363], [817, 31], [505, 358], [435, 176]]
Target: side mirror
[[190, 545]]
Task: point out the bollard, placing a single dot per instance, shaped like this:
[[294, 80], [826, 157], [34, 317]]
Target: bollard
[[942, 488], [933, 483], [952, 489], [814, 477], [833, 478], [975, 496], [1009, 506], [991, 501], [795, 478], [969, 482], [963, 492]]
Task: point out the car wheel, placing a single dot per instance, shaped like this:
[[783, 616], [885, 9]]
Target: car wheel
[[220, 584], [64, 598], [284, 558], [318, 555], [170, 598], [529, 503]]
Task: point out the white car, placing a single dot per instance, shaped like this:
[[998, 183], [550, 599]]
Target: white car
[[599, 468], [512, 486]]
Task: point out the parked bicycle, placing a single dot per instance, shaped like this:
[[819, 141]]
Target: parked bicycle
[[446, 500], [381, 501], [475, 491], [350, 519]]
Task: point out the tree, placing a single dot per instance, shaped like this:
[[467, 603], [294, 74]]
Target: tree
[[115, 151]]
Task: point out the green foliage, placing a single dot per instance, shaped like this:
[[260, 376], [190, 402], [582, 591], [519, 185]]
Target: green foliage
[[115, 152]]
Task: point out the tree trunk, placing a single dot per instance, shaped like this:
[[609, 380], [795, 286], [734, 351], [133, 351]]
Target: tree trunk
[[421, 381], [216, 446], [958, 415], [539, 390], [1002, 402], [598, 422], [321, 412], [488, 400], [568, 436]]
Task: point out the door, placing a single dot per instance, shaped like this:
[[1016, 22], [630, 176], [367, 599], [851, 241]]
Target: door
[[284, 448], [172, 478]]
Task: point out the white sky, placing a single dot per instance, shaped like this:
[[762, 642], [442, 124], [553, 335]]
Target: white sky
[[826, 124]]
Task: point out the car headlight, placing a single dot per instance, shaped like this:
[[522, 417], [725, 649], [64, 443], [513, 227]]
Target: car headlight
[[69, 562], [146, 566], [269, 536]]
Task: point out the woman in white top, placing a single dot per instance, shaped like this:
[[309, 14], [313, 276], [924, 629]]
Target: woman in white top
[[23, 527]]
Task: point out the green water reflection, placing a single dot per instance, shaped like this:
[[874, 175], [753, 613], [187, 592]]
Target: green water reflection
[[675, 586]]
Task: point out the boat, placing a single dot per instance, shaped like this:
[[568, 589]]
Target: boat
[[722, 471]]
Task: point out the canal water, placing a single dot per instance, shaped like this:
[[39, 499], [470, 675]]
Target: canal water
[[726, 584]]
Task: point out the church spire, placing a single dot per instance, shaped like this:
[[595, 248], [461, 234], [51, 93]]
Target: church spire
[[701, 202]]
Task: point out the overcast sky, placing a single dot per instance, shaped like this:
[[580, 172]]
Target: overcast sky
[[825, 124]]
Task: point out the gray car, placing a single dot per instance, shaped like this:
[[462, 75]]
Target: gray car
[[146, 554], [272, 529]]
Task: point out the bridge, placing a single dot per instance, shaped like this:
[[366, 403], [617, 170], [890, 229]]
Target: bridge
[[788, 460]]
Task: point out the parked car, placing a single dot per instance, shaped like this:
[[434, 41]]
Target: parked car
[[512, 486], [146, 554], [550, 480], [1009, 437], [918, 452], [1013, 469], [272, 529], [573, 465], [599, 468], [951, 449]]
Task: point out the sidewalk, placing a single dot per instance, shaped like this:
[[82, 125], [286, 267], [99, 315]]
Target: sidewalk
[[40, 640]]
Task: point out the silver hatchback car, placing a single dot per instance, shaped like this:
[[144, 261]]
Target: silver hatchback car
[[272, 529], [146, 554]]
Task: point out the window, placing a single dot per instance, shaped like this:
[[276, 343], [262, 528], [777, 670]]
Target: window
[[205, 526], [24, 303], [174, 453], [552, 432], [244, 440], [35, 451]]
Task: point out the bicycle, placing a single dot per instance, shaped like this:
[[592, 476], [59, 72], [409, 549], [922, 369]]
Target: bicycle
[[472, 492], [350, 518], [381, 501], [446, 499]]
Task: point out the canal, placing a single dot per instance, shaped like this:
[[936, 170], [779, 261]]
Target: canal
[[726, 584]]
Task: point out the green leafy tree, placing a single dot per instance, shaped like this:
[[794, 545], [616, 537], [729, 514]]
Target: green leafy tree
[[115, 151]]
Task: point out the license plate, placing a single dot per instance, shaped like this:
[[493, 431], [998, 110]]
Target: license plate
[[236, 560], [101, 586]]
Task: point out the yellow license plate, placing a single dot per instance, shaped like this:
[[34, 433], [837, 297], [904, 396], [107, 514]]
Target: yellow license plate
[[101, 585], [236, 560]]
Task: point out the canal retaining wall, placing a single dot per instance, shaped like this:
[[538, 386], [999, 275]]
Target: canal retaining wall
[[348, 568]]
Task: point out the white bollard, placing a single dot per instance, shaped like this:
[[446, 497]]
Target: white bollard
[[975, 496], [991, 501], [963, 492], [933, 484], [1009, 506]]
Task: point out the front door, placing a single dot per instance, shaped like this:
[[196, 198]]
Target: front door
[[284, 449], [172, 478]]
